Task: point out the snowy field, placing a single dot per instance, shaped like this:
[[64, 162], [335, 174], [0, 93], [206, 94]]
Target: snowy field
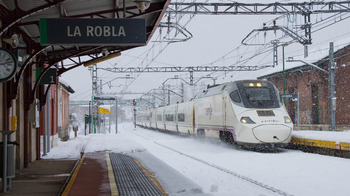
[[217, 168]]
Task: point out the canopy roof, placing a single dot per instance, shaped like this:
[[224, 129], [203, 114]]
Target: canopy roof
[[22, 17]]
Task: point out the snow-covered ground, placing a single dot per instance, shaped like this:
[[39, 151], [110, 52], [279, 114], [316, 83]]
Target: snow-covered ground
[[218, 168]]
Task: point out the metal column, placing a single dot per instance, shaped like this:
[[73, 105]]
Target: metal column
[[116, 115], [331, 88]]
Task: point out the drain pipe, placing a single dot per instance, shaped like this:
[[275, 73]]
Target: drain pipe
[[44, 130], [48, 103], [26, 130]]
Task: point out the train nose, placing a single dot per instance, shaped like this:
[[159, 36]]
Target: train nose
[[272, 133]]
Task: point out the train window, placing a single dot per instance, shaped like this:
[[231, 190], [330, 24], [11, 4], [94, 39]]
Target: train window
[[181, 117], [159, 117], [169, 117], [258, 94], [235, 96]]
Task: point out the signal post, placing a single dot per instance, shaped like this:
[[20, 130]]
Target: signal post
[[134, 104]]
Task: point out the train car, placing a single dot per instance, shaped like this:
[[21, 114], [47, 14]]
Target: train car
[[141, 118], [153, 119], [209, 112], [185, 118], [147, 118], [247, 112], [160, 118], [170, 118]]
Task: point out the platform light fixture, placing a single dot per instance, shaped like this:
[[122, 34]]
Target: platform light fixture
[[290, 59], [101, 59], [142, 4]]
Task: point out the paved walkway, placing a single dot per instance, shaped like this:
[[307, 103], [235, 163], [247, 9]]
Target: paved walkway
[[99, 173], [42, 178], [103, 173]]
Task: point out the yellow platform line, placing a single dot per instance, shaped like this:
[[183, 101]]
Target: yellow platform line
[[345, 146], [72, 179], [112, 183], [321, 143]]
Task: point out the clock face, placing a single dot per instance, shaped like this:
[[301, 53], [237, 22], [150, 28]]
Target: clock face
[[8, 65]]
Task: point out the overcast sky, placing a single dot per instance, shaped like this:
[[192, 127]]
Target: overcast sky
[[213, 38]]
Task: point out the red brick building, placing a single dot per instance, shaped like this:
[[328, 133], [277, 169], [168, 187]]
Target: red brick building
[[312, 86], [64, 90]]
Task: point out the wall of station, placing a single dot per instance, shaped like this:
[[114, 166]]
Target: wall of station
[[312, 86]]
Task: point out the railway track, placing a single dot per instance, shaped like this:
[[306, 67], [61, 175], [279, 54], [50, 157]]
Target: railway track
[[232, 173], [235, 174]]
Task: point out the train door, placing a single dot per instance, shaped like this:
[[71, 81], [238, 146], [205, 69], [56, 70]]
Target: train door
[[155, 118], [193, 113], [176, 118], [224, 111]]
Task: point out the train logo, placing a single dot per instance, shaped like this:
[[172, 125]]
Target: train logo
[[209, 111]]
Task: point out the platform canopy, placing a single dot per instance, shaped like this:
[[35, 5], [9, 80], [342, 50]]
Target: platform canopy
[[21, 19]]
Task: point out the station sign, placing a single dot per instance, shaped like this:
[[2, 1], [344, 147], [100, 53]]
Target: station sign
[[290, 96], [49, 77], [102, 110], [104, 98], [92, 31]]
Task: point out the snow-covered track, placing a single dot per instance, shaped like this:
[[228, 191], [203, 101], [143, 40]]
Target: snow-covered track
[[245, 178], [232, 173]]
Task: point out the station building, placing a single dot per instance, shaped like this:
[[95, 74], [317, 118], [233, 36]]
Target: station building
[[312, 86]]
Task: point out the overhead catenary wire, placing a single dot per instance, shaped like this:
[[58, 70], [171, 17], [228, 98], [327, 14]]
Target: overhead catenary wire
[[240, 57]]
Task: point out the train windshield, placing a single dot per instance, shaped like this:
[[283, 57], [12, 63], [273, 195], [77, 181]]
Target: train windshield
[[260, 94]]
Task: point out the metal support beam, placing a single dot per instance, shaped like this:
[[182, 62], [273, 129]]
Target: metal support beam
[[275, 56], [236, 8], [184, 69], [307, 27], [182, 92], [94, 92], [94, 80], [191, 78], [191, 70]]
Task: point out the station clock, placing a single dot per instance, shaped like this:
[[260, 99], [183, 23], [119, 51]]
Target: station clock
[[8, 65]]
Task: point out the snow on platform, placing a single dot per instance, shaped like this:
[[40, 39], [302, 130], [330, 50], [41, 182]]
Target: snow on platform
[[323, 139], [324, 135]]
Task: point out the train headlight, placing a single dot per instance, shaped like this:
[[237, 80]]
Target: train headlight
[[247, 120], [287, 119]]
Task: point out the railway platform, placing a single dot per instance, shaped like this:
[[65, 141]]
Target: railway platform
[[96, 173], [104, 173]]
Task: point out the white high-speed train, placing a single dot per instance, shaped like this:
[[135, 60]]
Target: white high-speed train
[[247, 112]]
